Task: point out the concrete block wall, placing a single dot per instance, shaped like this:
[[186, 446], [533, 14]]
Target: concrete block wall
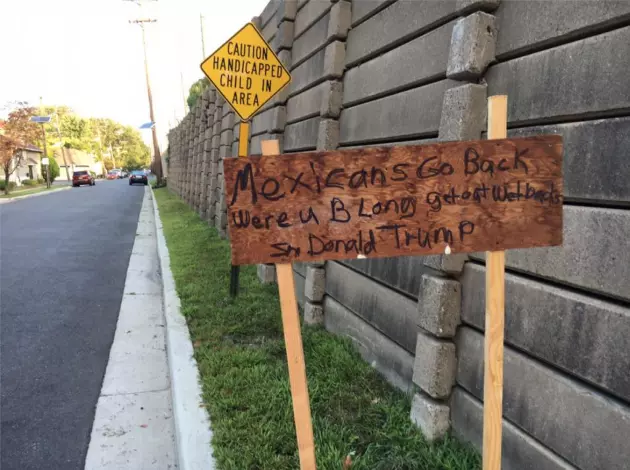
[[566, 395], [398, 72]]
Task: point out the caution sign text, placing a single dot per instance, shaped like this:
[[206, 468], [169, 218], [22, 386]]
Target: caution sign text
[[246, 71]]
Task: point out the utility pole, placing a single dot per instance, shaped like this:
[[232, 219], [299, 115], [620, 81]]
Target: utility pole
[[203, 43], [157, 158], [181, 77], [41, 113]]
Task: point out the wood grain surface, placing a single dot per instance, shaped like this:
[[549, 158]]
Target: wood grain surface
[[452, 197]]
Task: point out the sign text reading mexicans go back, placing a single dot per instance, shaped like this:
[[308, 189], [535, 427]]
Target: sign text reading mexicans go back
[[246, 71]]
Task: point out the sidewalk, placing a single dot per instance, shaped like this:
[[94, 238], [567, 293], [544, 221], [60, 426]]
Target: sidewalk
[[133, 426], [149, 413]]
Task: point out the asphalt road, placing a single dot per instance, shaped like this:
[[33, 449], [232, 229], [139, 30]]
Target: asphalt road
[[64, 259]]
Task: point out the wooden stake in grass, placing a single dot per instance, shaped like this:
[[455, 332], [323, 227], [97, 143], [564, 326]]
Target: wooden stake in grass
[[243, 141], [495, 320], [295, 351]]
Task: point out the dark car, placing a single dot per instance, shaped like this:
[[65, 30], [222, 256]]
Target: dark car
[[138, 177], [82, 177]]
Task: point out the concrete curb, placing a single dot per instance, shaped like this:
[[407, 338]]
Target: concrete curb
[[43, 193], [192, 424]]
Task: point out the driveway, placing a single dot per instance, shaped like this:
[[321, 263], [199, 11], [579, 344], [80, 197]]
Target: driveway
[[64, 258]]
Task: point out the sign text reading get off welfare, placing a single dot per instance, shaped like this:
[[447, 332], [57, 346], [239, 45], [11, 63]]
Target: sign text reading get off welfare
[[246, 71]]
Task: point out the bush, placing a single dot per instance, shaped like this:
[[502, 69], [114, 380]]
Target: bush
[[3, 185], [29, 182], [54, 169], [41, 180]]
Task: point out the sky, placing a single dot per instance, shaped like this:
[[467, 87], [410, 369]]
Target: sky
[[85, 54]]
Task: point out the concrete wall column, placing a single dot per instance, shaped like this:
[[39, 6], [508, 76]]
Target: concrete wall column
[[463, 117]]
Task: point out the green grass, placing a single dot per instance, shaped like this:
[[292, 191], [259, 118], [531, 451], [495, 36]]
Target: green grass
[[24, 192], [240, 351]]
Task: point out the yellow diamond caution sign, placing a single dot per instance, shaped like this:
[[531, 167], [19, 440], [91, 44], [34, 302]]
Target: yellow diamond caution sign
[[246, 71]]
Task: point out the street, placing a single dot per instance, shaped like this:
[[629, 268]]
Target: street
[[64, 258]]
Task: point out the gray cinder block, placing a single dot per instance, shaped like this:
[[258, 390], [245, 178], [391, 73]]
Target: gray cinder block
[[440, 306], [519, 451], [306, 104], [284, 36], [315, 285], [367, 122], [308, 72], [580, 424], [334, 59], [309, 14], [434, 366], [393, 314], [450, 264], [598, 267], [331, 99], [400, 20], [472, 46], [313, 313], [431, 416], [550, 322], [301, 135], [287, 10], [596, 161], [328, 134], [463, 112], [386, 356], [278, 119], [549, 21], [266, 273], [567, 75], [340, 19], [396, 68]]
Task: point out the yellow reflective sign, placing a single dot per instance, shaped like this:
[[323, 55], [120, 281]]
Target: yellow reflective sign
[[246, 71]]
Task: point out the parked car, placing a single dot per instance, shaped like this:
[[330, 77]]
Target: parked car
[[112, 175], [82, 177], [138, 176]]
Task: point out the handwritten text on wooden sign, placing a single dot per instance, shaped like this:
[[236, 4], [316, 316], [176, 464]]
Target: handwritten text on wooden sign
[[395, 201]]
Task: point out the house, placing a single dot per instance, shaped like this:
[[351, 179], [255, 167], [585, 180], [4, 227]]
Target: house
[[76, 160], [30, 165]]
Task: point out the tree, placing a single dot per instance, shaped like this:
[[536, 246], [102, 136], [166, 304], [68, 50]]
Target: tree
[[54, 169], [17, 133], [196, 90]]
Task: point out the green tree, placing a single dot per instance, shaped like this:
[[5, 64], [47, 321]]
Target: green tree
[[54, 169], [196, 90]]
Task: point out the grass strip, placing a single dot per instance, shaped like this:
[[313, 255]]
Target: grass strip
[[25, 192], [240, 351]]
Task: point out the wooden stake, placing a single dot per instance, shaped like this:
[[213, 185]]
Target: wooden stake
[[495, 320], [295, 351], [243, 143]]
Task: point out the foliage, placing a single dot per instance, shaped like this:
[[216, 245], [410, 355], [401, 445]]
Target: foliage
[[105, 138], [196, 90], [28, 182], [54, 169], [3, 185], [238, 344], [17, 132], [41, 180]]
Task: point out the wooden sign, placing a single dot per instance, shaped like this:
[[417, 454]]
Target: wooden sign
[[450, 197]]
